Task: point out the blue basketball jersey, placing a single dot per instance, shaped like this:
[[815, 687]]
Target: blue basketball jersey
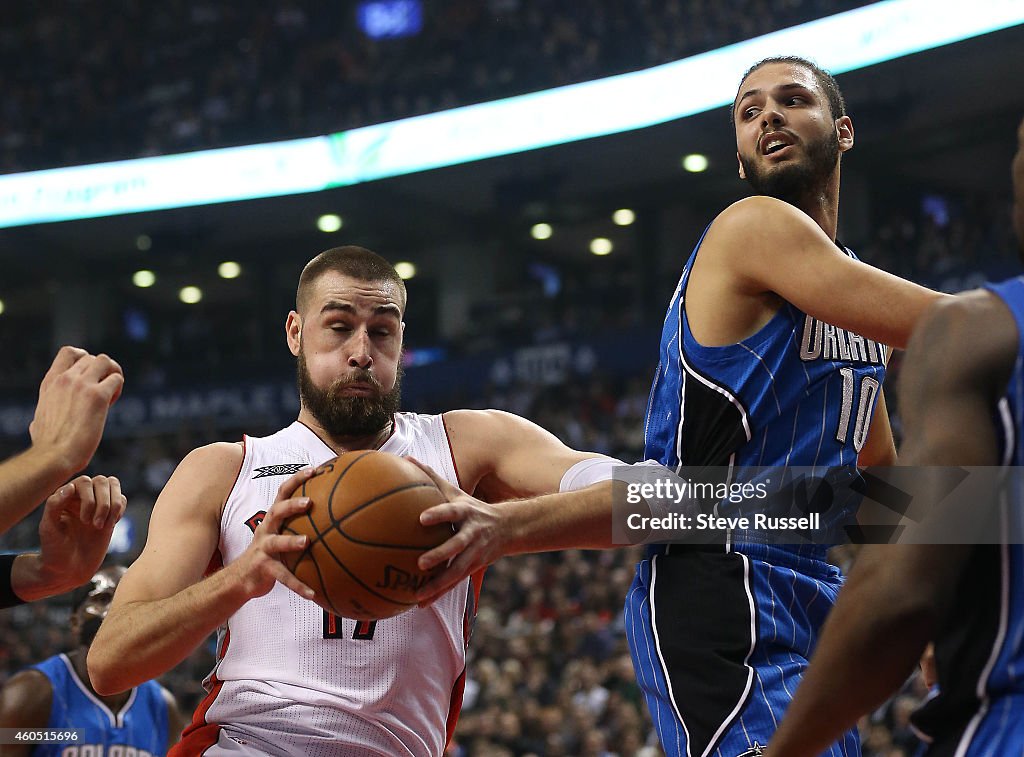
[[980, 651], [798, 392], [138, 729], [720, 637]]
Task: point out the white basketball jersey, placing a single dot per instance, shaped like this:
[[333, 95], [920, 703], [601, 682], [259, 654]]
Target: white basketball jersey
[[292, 679]]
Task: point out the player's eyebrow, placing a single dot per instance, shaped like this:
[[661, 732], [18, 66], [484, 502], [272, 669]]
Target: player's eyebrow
[[781, 87], [344, 307]]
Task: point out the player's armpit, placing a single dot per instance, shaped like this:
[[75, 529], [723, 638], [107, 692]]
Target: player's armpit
[[879, 448], [771, 246], [501, 456], [25, 702]]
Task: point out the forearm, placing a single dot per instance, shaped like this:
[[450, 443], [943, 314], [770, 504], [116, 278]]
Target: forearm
[[157, 635], [568, 520], [32, 579], [26, 480]]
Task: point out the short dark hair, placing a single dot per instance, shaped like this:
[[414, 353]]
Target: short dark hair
[[350, 260], [836, 103]]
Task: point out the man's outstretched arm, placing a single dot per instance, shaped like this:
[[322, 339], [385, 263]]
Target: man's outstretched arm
[[534, 494]]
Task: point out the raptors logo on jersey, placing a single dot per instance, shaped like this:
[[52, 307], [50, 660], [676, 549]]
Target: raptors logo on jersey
[[293, 679]]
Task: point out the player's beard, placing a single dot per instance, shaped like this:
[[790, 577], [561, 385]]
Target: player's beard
[[342, 416], [796, 181]]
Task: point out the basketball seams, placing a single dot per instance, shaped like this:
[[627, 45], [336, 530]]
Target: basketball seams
[[337, 481], [383, 495], [358, 580], [349, 553]]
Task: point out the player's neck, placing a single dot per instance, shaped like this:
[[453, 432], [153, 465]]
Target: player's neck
[[825, 212], [341, 443], [823, 206], [114, 702]]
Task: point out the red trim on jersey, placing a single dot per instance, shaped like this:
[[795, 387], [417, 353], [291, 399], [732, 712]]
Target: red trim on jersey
[[476, 582], [200, 735], [241, 467], [216, 563], [451, 451]]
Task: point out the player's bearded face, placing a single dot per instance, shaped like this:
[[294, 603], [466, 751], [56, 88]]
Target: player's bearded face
[[342, 415], [795, 179]]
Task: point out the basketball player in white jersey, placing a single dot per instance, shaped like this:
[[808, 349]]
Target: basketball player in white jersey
[[291, 678]]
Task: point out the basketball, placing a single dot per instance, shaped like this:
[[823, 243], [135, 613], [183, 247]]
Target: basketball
[[364, 534]]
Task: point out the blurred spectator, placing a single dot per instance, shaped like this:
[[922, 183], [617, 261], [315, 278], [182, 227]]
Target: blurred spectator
[[181, 75]]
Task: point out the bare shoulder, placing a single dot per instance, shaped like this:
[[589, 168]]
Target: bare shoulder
[[494, 428], [752, 215], [210, 469], [215, 455]]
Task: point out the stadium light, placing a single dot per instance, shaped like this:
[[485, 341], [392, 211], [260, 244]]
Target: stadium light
[[623, 217], [405, 270], [541, 231], [695, 163], [229, 269], [190, 295], [1, 307], [601, 246], [329, 223], [143, 243], [144, 279]]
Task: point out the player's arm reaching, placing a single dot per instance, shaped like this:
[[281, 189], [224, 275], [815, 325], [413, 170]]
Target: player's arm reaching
[[163, 608], [567, 496], [897, 595], [761, 245], [74, 397]]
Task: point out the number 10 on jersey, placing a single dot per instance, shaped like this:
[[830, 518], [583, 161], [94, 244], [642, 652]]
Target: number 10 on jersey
[[864, 403]]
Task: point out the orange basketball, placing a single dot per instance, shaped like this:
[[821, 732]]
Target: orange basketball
[[365, 535]]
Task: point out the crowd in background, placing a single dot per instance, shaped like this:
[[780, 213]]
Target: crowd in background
[[138, 82]]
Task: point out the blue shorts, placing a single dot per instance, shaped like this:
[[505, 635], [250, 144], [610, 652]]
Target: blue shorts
[[720, 641]]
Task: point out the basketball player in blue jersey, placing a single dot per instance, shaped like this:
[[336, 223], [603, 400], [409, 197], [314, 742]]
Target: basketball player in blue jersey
[[962, 411], [773, 354], [56, 695]]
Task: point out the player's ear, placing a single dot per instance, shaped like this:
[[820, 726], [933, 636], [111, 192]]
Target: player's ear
[[844, 131], [293, 332], [743, 174]]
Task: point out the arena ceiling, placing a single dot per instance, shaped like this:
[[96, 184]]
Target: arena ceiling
[[945, 118]]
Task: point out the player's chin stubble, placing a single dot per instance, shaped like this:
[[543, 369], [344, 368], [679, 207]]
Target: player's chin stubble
[[794, 181], [342, 416]]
